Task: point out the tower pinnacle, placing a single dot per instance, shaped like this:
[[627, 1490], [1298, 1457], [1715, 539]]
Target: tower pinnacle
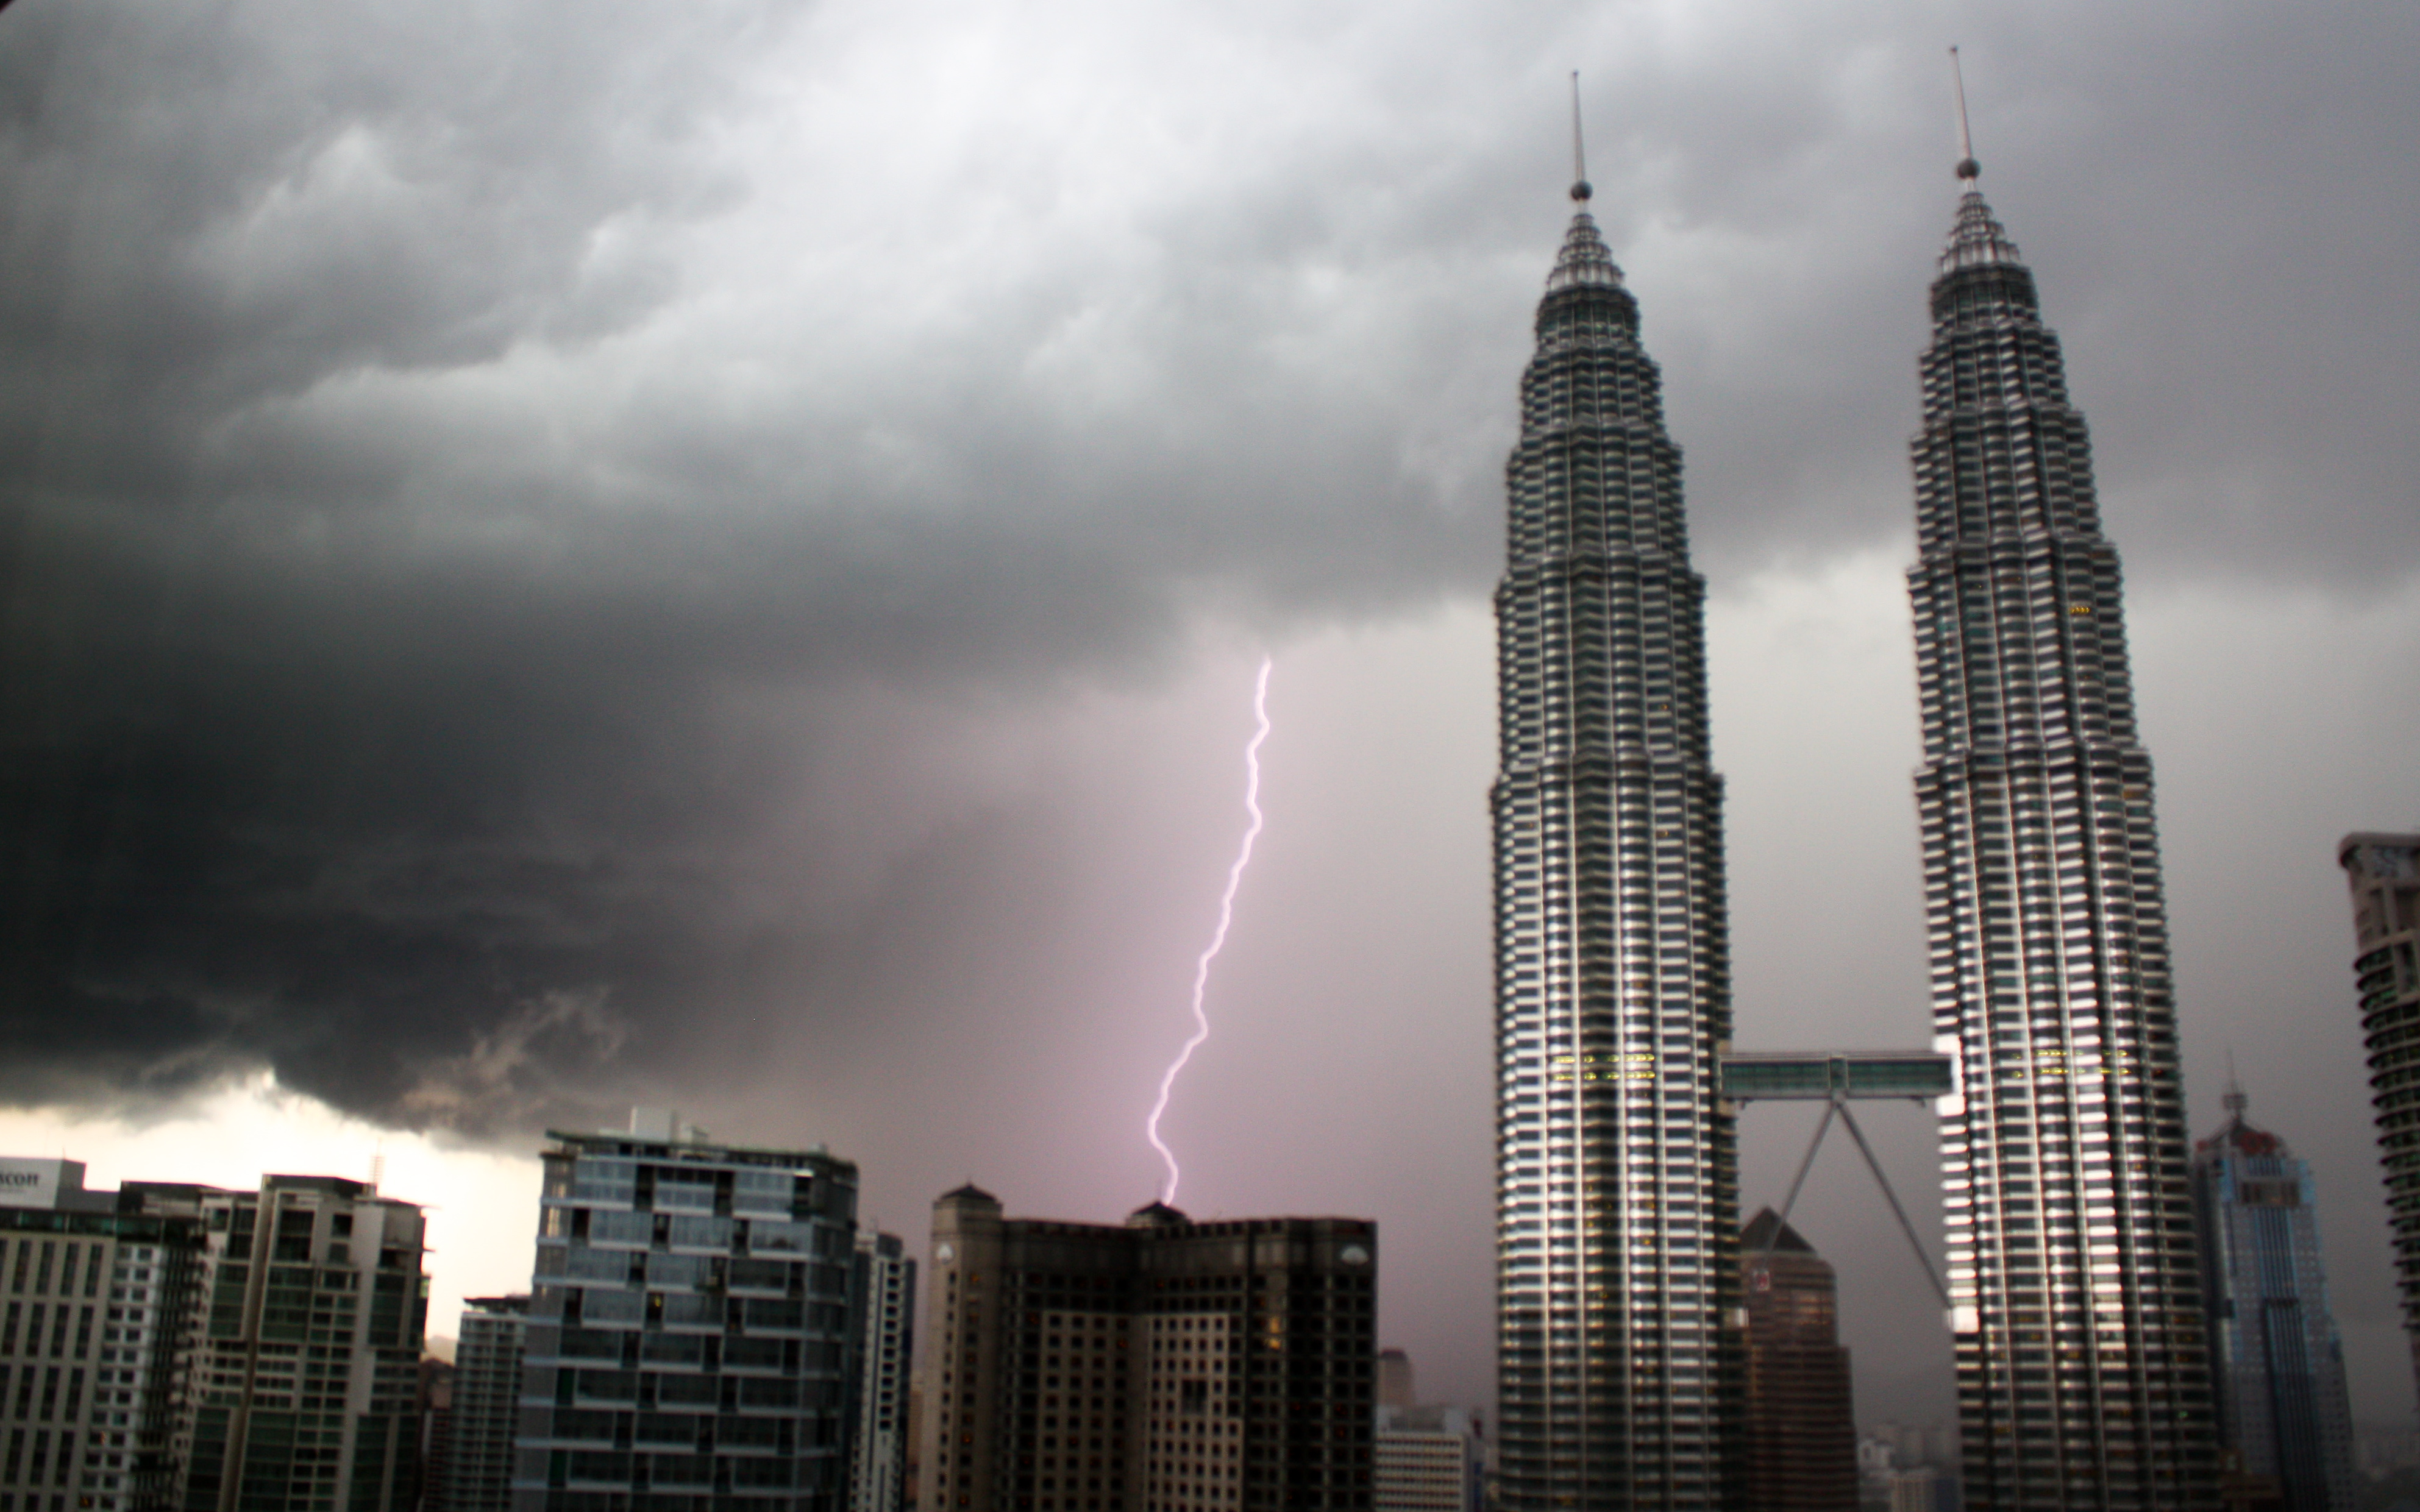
[[1581, 189], [1968, 169]]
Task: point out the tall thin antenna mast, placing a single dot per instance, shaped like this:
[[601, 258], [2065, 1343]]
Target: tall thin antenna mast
[[1580, 187], [1968, 169]]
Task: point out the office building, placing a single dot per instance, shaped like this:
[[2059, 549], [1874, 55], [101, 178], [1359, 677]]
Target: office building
[[99, 1303], [1395, 1387], [433, 1411], [1425, 1459], [1157, 1365], [2277, 1362], [688, 1333], [302, 1384], [2383, 871], [1617, 1175], [488, 1359], [1801, 1433], [883, 1284], [2082, 1369]]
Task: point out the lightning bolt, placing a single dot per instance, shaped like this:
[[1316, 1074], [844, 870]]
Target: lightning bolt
[[1218, 938]]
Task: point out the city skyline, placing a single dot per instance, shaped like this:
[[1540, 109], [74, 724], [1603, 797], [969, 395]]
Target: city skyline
[[724, 569]]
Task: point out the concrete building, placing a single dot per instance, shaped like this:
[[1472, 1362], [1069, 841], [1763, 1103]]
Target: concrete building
[[2278, 1362], [690, 1327], [1801, 1433], [98, 1306], [485, 1417], [1158, 1366], [1424, 1460], [883, 1287], [1619, 1346], [302, 1384], [2083, 1365], [2383, 871]]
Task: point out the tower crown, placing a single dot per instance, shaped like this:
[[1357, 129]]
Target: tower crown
[[1977, 238], [1585, 261]]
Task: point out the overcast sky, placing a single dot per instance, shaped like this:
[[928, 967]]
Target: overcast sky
[[560, 554]]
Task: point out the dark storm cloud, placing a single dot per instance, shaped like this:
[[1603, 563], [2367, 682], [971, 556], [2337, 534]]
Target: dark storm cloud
[[377, 731]]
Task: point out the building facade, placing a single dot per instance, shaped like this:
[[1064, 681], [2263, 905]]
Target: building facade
[[489, 1354], [883, 1284], [2277, 1362], [2083, 1368], [301, 1384], [1802, 1430], [1617, 1171], [688, 1332], [1425, 1459], [1160, 1365], [2383, 871], [98, 1310]]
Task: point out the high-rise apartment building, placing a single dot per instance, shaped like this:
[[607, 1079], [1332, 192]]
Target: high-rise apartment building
[[688, 1332], [1802, 1432], [99, 1305], [300, 1385], [883, 1288], [2082, 1369], [1617, 1173], [2276, 1360], [1160, 1365], [485, 1414], [2383, 871]]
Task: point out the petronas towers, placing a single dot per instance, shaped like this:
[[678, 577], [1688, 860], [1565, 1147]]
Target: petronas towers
[[2082, 1373], [1619, 1328]]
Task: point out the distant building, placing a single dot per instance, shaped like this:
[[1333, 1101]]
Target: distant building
[[1802, 1435], [2278, 1362], [1425, 1459], [1395, 1388], [488, 1356], [884, 1288], [690, 1327], [301, 1386], [433, 1414], [1160, 1365], [99, 1302], [2383, 871]]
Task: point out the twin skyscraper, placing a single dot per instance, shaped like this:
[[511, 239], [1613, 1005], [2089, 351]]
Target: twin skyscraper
[[2083, 1370]]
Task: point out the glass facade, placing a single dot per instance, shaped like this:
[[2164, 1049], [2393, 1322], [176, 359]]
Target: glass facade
[[301, 1389], [2277, 1361], [689, 1330], [1619, 1345], [2082, 1369]]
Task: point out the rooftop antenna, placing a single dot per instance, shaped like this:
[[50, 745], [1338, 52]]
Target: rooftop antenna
[[2235, 1101], [1580, 187], [1968, 169]]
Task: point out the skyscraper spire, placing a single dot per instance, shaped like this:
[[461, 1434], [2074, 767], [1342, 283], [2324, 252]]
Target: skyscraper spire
[[1968, 169], [1618, 1301], [1581, 188], [2083, 1363]]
